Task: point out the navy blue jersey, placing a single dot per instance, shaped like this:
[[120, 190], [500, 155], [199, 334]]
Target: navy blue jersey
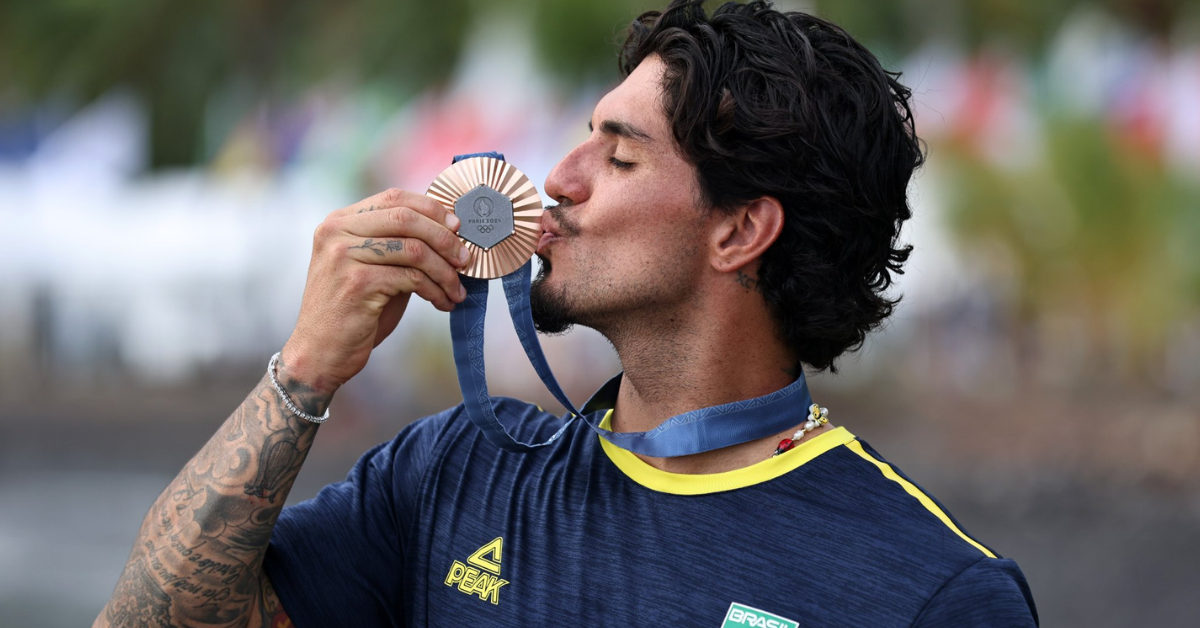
[[441, 528]]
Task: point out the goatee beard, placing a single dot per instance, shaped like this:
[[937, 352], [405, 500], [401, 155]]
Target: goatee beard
[[551, 314]]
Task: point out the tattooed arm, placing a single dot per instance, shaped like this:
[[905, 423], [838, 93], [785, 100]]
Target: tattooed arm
[[197, 560]]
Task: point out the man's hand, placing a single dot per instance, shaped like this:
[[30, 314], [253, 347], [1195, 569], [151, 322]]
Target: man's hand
[[199, 554], [367, 260]]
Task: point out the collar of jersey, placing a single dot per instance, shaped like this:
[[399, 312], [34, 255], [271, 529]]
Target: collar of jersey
[[688, 484]]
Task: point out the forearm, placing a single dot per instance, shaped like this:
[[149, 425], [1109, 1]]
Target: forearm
[[197, 559]]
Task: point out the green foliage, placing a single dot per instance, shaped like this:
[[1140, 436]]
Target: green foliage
[[578, 41], [1095, 225], [176, 55], [1099, 228], [898, 27]]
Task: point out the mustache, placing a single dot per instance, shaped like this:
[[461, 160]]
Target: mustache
[[564, 219]]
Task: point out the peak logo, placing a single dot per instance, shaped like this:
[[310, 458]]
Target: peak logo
[[740, 615], [481, 575]]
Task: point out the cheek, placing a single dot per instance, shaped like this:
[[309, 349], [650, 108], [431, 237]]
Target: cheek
[[641, 202], [639, 217]]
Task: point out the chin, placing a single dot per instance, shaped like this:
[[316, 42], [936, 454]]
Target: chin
[[548, 304]]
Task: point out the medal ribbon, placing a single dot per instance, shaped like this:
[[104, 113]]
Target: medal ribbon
[[692, 432]]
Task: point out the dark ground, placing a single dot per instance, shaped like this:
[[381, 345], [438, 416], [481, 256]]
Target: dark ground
[[1100, 508]]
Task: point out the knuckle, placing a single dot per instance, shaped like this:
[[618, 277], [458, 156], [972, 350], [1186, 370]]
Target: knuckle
[[324, 230], [418, 252], [411, 248], [401, 217], [331, 246], [392, 195], [447, 240], [330, 250], [357, 281], [414, 276]]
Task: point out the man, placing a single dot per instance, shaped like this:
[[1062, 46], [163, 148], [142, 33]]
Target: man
[[732, 215]]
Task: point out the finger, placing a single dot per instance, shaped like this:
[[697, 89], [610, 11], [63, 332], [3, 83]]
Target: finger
[[395, 197], [406, 222], [396, 279], [409, 253]]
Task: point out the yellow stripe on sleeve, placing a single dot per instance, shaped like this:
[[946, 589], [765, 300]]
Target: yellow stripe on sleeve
[[911, 489]]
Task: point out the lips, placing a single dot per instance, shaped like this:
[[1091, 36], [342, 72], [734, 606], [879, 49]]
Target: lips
[[550, 233], [548, 225], [544, 242]]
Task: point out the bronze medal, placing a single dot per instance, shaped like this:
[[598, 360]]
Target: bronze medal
[[500, 210]]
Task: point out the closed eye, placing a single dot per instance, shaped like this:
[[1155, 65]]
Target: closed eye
[[618, 164]]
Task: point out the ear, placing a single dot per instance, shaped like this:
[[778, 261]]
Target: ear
[[743, 236]]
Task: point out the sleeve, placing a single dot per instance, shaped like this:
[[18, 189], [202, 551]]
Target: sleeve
[[335, 560], [989, 593]]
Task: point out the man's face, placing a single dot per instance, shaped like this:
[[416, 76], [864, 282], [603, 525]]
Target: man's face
[[627, 240]]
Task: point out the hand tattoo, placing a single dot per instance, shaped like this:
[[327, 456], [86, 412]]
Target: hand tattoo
[[378, 247]]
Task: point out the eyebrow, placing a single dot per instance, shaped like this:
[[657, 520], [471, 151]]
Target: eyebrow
[[623, 129]]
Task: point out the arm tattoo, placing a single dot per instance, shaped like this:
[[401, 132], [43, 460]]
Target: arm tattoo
[[198, 558], [278, 456], [269, 609], [749, 282], [378, 247], [138, 600]]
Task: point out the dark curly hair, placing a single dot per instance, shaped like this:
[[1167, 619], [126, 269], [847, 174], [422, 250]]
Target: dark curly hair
[[789, 105]]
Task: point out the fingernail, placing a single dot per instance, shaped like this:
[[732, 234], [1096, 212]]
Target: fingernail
[[452, 221], [463, 255], [462, 292]]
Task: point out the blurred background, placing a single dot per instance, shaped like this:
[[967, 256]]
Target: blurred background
[[163, 166]]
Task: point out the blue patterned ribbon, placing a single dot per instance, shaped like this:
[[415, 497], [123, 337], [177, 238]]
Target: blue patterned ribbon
[[692, 432]]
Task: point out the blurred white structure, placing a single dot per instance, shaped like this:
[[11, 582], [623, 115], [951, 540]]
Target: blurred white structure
[[105, 268]]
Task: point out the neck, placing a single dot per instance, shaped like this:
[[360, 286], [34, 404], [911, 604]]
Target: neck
[[688, 362]]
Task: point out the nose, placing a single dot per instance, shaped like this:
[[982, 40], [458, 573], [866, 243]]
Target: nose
[[568, 182]]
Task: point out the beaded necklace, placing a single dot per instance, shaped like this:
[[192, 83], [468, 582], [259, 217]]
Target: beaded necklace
[[817, 416]]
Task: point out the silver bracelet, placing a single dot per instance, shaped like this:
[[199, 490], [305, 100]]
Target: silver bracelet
[[287, 401]]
